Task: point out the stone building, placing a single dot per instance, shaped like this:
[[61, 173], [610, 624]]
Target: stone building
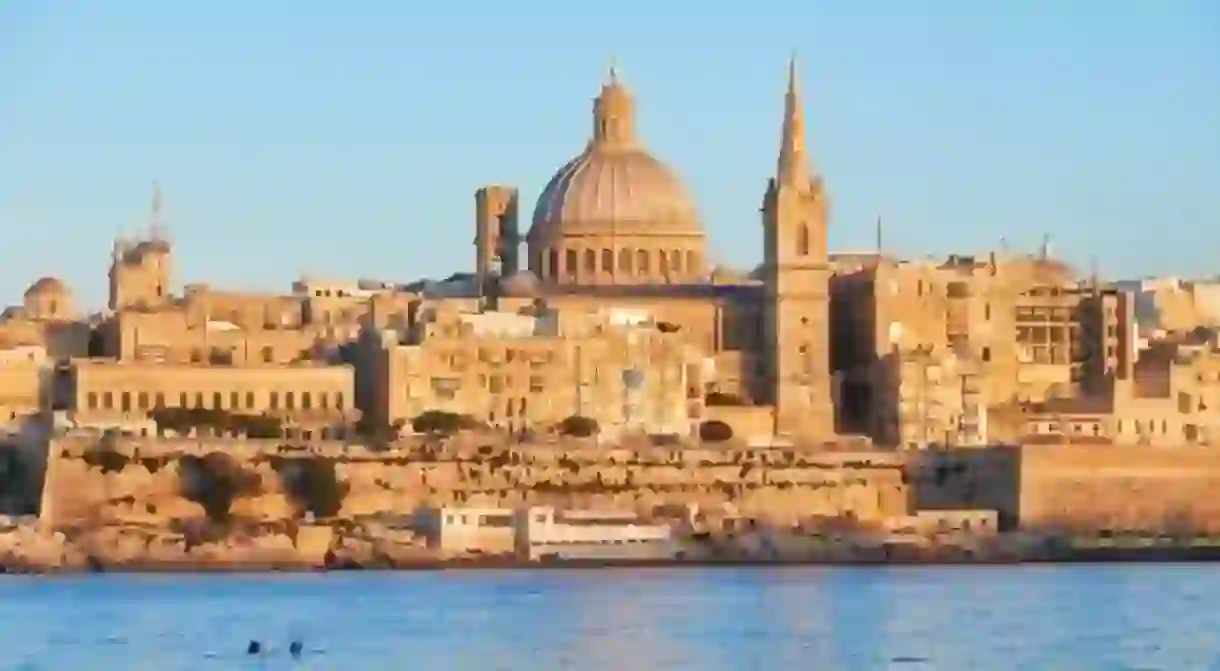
[[615, 232], [315, 398], [1013, 330], [518, 371], [1171, 305], [1171, 397], [23, 374], [609, 306]]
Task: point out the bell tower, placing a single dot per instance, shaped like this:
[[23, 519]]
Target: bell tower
[[140, 269], [496, 241], [796, 277]]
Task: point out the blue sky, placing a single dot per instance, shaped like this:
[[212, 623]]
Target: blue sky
[[346, 139]]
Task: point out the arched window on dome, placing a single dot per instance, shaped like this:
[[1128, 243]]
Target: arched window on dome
[[675, 261], [641, 261], [802, 240], [663, 263], [607, 260], [590, 261], [570, 262], [552, 269], [624, 261]]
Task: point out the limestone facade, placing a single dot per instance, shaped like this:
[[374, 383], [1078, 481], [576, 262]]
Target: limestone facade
[[967, 336], [23, 375], [121, 394], [609, 305], [519, 371]]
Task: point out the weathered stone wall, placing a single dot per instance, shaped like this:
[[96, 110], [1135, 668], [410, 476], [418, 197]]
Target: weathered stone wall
[[1077, 488], [1120, 488], [780, 485]]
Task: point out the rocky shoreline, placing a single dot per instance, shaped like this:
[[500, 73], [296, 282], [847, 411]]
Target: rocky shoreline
[[68, 559]]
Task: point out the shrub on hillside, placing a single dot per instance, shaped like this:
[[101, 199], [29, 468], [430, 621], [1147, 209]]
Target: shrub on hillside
[[211, 420], [579, 426], [312, 485], [214, 481], [442, 422], [105, 457], [715, 431]]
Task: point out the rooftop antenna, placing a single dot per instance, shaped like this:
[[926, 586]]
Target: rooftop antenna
[[1094, 274], [155, 223], [878, 235], [1045, 251]]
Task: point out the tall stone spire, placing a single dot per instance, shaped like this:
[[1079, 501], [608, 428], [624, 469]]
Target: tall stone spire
[[793, 168], [613, 114]]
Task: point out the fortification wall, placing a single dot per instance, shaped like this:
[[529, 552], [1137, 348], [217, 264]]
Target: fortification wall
[[145, 485], [1120, 488], [1076, 488]]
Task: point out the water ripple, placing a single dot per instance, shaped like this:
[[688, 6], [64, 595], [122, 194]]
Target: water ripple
[[1078, 617]]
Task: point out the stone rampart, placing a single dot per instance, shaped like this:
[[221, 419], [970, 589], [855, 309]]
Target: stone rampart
[[1083, 489], [130, 480], [1120, 488]]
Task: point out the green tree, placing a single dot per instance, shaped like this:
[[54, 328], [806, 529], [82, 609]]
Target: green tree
[[214, 481], [312, 485], [442, 422], [715, 431], [578, 426]]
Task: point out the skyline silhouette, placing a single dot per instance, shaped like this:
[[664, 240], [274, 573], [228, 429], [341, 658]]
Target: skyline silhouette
[[306, 138]]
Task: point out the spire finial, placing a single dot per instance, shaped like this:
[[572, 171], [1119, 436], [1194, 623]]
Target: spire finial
[[612, 71], [792, 74], [793, 165]]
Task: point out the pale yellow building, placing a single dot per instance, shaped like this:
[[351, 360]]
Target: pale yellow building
[[518, 371], [317, 399], [610, 307], [941, 342]]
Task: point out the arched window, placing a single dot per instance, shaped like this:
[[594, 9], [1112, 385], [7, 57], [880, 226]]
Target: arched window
[[675, 261], [268, 355], [590, 261], [552, 270], [641, 261], [802, 240], [692, 263], [607, 260], [663, 263], [624, 261]]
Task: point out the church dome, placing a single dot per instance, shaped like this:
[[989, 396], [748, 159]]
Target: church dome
[[48, 298], [46, 286], [615, 192], [614, 213]]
